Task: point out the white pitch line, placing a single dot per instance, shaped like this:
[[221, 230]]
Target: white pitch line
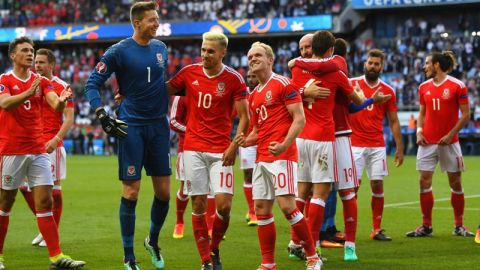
[[417, 202], [436, 208]]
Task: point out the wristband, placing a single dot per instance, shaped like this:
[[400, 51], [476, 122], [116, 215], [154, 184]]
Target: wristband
[[419, 129]]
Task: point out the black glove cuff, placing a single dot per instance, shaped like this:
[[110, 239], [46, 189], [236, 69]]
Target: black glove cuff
[[101, 114]]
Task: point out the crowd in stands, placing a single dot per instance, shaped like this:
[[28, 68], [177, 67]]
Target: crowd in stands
[[48, 12]]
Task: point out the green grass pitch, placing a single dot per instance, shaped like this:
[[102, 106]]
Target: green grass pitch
[[90, 231]]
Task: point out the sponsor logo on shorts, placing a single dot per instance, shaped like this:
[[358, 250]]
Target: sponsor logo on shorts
[[131, 171], [7, 179], [323, 160]]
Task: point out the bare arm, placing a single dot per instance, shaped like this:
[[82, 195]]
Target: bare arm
[[447, 139], [8, 102], [242, 110], [421, 118], [58, 103], [397, 135], [296, 111], [171, 90], [357, 95], [68, 117]]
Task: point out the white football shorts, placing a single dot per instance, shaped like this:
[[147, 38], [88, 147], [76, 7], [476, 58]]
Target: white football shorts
[[15, 168], [450, 157], [271, 179]]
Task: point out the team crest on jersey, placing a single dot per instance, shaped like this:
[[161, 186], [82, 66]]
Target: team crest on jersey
[[446, 93], [101, 67], [2, 88], [160, 59], [220, 89], [268, 96], [131, 170], [7, 179]]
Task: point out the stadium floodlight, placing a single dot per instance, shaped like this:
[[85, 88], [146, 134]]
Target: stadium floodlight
[[478, 33], [474, 33]]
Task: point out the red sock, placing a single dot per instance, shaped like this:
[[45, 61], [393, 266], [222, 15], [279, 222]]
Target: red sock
[[4, 220], [300, 206], [181, 204], [377, 203], [49, 230], [307, 206], [300, 226], [220, 226], [426, 203], [247, 189], [28, 195], [457, 200], [267, 235], [211, 209], [200, 231], [349, 201], [57, 205], [315, 217]]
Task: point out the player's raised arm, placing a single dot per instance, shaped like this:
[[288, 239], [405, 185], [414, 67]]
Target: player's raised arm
[[58, 103], [8, 102]]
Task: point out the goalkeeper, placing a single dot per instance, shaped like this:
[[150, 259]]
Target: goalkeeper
[[139, 64]]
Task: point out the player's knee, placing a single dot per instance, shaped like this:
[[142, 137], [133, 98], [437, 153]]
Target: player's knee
[[199, 206], [224, 210], [163, 195], [43, 203]]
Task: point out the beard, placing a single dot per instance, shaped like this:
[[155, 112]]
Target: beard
[[371, 75], [431, 75]]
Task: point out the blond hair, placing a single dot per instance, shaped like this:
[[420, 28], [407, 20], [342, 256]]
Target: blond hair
[[216, 36], [268, 49]]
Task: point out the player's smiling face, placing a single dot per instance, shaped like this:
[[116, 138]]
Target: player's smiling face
[[148, 25], [428, 68], [258, 59], [212, 54], [42, 66], [23, 55]]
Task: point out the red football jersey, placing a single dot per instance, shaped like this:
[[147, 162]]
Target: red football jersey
[[340, 111], [442, 104], [367, 124], [269, 107], [178, 119], [210, 102], [53, 120], [319, 114], [22, 128]]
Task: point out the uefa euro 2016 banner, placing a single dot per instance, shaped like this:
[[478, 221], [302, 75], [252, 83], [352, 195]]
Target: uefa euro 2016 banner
[[170, 29], [369, 4]]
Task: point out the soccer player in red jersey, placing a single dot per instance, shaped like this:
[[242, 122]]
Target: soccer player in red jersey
[[316, 143], [247, 161], [23, 153], [278, 118], [441, 97], [178, 123], [212, 92], [55, 127], [367, 137]]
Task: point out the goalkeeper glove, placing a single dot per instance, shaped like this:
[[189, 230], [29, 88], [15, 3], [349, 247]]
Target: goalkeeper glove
[[112, 126]]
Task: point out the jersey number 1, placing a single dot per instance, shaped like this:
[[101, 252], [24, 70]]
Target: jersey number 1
[[148, 74]]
